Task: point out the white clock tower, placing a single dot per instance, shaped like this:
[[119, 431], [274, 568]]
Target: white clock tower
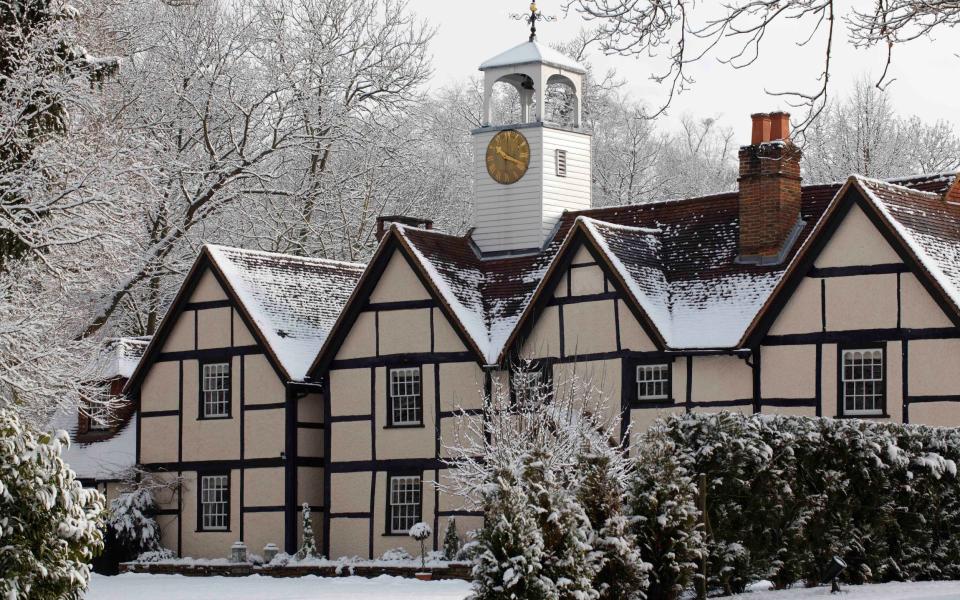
[[523, 184]]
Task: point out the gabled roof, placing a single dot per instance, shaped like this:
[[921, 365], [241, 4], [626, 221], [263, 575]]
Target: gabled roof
[[915, 218], [533, 52], [290, 303], [677, 259]]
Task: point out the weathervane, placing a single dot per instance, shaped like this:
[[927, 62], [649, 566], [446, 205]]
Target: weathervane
[[532, 18]]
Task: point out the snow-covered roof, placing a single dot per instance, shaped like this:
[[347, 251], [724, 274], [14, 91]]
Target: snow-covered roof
[[102, 459], [533, 52], [677, 259], [120, 357], [292, 300], [929, 226]]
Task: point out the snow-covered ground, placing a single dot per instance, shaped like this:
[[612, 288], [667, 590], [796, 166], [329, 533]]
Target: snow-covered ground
[[176, 587], [926, 590]]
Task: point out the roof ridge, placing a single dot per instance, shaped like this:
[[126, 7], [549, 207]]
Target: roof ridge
[[294, 257], [620, 226], [891, 184]]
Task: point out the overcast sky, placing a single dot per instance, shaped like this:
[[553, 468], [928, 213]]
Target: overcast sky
[[470, 31]]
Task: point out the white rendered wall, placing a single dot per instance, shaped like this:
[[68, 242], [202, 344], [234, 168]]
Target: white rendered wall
[[521, 215]]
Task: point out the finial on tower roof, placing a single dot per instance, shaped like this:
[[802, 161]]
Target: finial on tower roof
[[532, 18]]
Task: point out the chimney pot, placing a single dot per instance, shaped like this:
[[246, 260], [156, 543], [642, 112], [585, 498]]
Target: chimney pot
[[779, 126], [761, 128]]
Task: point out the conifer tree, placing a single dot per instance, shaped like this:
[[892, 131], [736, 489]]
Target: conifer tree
[[510, 546], [569, 561], [308, 548], [664, 505], [622, 572], [451, 541]]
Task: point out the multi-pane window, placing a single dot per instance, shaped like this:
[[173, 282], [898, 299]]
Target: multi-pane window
[[862, 382], [216, 390], [405, 401], [99, 416], [653, 382], [528, 388], [405, 510], [214, 502]]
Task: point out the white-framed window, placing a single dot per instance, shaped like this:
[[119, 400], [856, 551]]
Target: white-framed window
[[214, 502], [99, 416], [861, 381], [653, 382], [215, 389], [404, 503], [406, 405]]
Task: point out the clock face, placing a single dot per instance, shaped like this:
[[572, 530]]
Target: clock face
[[508, 156]]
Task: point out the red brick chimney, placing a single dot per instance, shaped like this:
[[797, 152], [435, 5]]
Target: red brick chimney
[[769, 191]]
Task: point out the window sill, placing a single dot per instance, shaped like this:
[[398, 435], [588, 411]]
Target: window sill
[[406, 535], [212, 531], [405, 426], [664, 403], [223, 418], [873, 416]]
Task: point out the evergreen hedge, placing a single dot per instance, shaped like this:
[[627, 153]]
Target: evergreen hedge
[[785, 494]]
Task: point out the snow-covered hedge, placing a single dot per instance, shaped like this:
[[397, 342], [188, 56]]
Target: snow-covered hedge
[[131, 519], [49, 524], [785, 494]]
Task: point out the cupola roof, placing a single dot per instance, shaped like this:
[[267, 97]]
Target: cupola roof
[[533, 52]]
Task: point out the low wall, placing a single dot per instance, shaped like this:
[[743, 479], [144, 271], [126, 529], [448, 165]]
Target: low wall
[[449, 571]]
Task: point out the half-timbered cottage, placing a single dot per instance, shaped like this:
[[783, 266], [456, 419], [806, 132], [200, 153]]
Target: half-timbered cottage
[[836, 300]]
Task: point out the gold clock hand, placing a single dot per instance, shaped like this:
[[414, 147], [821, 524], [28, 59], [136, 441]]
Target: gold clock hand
[[507, 157]]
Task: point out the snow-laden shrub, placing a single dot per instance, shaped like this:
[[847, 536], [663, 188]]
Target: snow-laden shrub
[[131, 518], [308, 548], [50, 526], [786, 494], [155, 556], [396, 554], [421, 532], [666, 518], [451, 541], [601, 491]]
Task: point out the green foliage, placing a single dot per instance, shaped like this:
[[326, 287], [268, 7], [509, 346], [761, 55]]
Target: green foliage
[[451, 541], [308, 547], [509, 547], [664, 505], [601, 492], [786, 494], [50, 526]]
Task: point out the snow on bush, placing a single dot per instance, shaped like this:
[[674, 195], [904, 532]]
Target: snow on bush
[[308, 547], [451, 541], [131, 517], [666, 518], [785, 494], [420, 531], [521, 463], [49, 524], [396, 554]]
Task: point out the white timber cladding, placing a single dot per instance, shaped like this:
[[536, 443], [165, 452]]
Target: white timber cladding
[[521, 215]]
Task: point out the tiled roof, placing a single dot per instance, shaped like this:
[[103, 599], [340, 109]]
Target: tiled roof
[[928, 225], [679, 257], [293, 301]]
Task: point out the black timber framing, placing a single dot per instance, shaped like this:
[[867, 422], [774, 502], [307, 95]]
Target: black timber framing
[[852, 197], [290, 463], [544, 297], [359, 302]]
